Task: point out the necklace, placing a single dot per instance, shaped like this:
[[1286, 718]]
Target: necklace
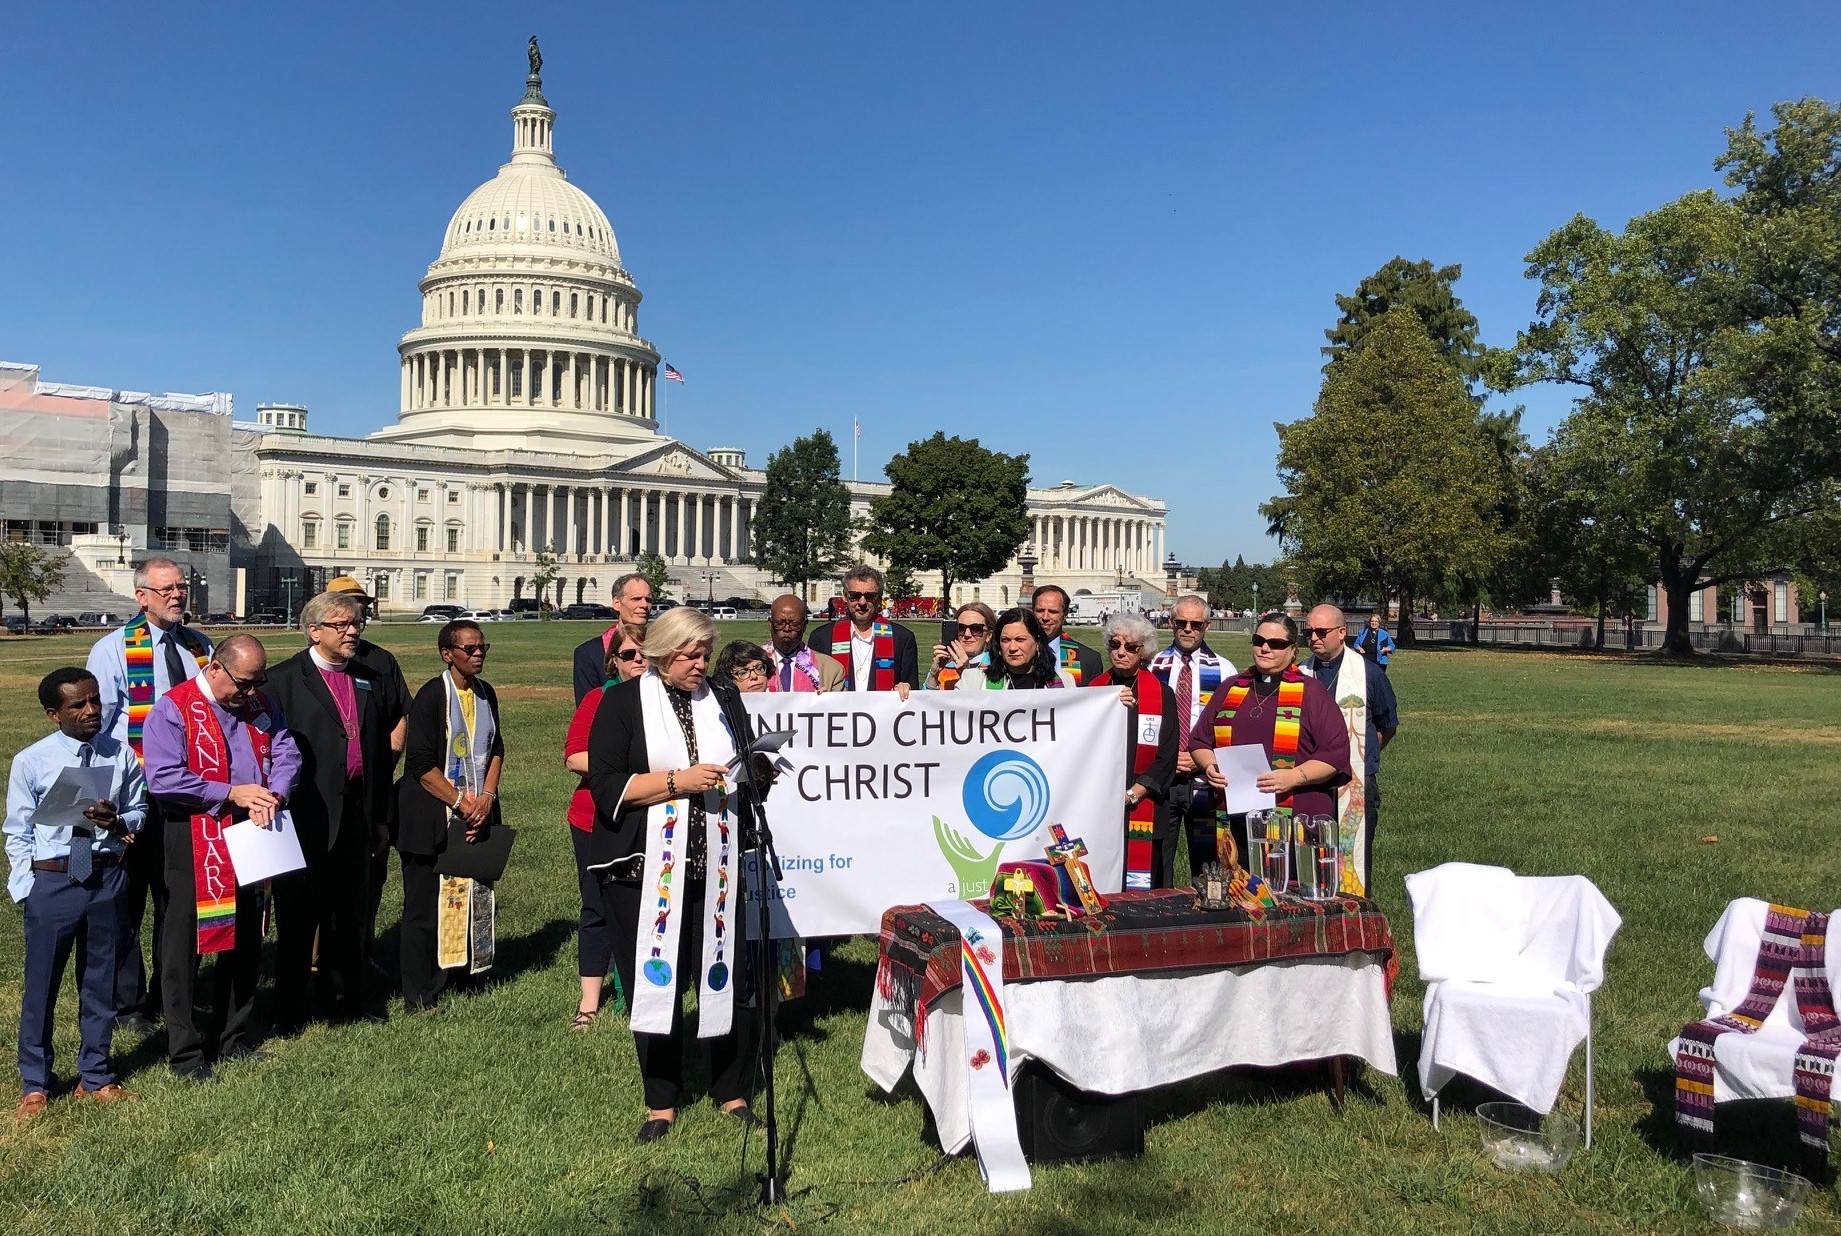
[[1258, 700]]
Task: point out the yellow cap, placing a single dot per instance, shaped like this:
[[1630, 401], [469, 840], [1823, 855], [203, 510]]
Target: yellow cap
[[347, 585]]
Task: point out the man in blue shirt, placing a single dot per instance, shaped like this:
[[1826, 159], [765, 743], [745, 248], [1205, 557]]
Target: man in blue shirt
[[69, 878]]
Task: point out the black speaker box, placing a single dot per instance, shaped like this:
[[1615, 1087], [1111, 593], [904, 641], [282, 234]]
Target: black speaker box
[[1060, 1124]]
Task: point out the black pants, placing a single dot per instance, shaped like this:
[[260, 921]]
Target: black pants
[[594, 942], [329, 898], [1192, 813], [226, 1030], [661, 1056], [423, 979], [137, 984]]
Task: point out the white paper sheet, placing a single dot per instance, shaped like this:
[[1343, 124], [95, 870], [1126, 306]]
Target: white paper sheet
[[260, 853], [71, 792], [1243, 766]]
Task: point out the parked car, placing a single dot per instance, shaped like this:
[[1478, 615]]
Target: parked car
[[268, 618], [16, 624], [723, 612], [583, 611], [533, 604], [662, 604], [221, 619], [441, 613], [480, 615], [51, 624], [98, 618]]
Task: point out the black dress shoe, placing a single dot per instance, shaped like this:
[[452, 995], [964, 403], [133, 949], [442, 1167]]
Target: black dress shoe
[[745, 1114], [653, 1130], [194, 1073], [135, 1023]]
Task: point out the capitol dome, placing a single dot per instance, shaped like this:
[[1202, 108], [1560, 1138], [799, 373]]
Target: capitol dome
[[530, 326]]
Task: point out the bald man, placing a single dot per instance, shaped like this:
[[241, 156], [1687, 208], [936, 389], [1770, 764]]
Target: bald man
[[1366, 698], [791, 664]]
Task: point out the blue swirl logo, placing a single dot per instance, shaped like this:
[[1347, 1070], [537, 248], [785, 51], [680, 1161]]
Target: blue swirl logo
[[1006, 795]]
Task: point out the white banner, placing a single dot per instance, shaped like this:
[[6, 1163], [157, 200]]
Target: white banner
[[890, 804]]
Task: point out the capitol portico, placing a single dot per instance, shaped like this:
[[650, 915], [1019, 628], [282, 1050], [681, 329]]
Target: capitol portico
[[526, 425]]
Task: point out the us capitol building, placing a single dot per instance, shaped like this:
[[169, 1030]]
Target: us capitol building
[[527, 423]]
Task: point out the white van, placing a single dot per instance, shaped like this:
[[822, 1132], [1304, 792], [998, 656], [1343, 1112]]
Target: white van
[[723, 611]]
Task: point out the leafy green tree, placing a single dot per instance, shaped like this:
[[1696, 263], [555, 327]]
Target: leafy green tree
[[802, 526], [1601, 568], [29, 573], [1390, 481], [1425, 289], [542, 580], [1704, 457], [899, 580], [954, 507], [655, 571]]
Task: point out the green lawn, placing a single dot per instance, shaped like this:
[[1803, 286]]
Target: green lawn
[[490, 1116]]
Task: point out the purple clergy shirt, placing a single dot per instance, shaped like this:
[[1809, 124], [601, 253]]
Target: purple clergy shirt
[[169, 774], [1322, 735], [338, 680]]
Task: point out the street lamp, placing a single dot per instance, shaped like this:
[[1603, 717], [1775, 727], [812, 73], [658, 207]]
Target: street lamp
[[1823, 611], [288, 582], [1255, 598]]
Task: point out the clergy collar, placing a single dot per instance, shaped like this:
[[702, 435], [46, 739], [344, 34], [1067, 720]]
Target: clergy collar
[[330, 667]]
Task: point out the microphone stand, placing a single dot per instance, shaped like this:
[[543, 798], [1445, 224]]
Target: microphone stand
[[767, 980]]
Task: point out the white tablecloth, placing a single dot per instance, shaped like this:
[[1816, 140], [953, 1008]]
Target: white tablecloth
[[1121, 1033]]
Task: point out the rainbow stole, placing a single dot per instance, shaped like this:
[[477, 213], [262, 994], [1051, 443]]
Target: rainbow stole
[[137, 652], [1140, 821], [882, 654], [214, 879], [1070, 658], [1286, 727], [990, 1005]]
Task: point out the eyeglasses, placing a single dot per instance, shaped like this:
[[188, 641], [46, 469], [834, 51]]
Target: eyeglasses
[[749, 671], [1127, 645], [471, 650], [861, 596], [1189, 624], [1260, 641], [171, 590], [786, 624], [340, 627], [241, 684], [631, 654]]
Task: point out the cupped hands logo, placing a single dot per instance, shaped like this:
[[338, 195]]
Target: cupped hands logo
[[1006, 799]]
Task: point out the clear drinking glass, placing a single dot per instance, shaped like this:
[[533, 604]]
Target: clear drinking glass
[[1319, 858]]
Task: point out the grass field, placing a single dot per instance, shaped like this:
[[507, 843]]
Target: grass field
[[491, 1117]]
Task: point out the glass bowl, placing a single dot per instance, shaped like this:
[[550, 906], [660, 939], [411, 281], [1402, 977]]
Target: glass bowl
[[1740, 1194], [1520, 1139]]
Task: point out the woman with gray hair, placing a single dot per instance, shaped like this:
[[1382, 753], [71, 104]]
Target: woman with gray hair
[[1152, 738], [669, 831]]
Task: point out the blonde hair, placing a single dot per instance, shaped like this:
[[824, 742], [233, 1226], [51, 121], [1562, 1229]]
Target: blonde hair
[[678, 629]]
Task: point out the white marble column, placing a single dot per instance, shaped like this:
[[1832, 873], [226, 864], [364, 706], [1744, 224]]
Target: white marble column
[[645, 521]]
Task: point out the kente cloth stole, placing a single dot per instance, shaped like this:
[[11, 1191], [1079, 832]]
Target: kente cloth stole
[[1793, 952], [882, 654], [1070, 658], [137, 650], [214, 878], [1140, 821], [1351, 692], [1168, 665], [656, 982], [805, 672], [1286, 726]]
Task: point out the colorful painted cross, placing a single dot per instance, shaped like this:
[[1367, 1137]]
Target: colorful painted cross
[[1076, 880]]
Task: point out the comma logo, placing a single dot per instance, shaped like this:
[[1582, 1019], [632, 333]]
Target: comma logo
[[1006, 798]]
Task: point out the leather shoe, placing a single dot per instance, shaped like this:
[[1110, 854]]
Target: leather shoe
[[32, 1103], [135, 1023], [110, 1093], [653, 1130], [745, 1114]]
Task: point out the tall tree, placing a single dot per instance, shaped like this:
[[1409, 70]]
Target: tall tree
[[1425, 289], [1600, 567], [955, 507], [1390, 481], [802, 526], [29, 573], [1703, 457]]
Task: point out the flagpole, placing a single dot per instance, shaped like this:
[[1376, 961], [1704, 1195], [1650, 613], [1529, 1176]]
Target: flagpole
[[664, 409], [856, 437]]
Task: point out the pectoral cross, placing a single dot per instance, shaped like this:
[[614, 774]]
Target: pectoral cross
[[1077, 881]]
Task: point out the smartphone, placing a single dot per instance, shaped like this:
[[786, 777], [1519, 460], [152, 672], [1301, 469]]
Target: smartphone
[[949, 631]]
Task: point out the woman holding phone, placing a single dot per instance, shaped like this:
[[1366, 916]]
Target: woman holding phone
[[966, 641]]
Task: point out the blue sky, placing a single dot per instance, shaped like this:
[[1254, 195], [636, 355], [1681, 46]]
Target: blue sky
[[1107, 235]]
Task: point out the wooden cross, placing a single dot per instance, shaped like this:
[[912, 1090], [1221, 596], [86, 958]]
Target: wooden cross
[[1066, 855]]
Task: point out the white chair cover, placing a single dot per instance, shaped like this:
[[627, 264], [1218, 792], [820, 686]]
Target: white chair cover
[[1510, 962], [1758, 1065]]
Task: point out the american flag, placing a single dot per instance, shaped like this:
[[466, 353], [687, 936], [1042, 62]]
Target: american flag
[[671, 373], [857, 425]]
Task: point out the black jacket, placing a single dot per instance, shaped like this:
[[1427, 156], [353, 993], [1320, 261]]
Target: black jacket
[[617, 752], [319, 801], [422, 819], [590, 664], [907, 656], [1091, 666]]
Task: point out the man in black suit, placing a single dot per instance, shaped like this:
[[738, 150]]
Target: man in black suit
[[877, 654], [340, 810], [632, 606], [1050, 601]]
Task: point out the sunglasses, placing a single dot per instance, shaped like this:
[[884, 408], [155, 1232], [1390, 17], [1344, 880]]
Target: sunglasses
[[1260, 641], [471, 650], [1318, 632], [241, 684], [631, 654], [1189, 624], [1127, 645], [861, 596], [972, 628]]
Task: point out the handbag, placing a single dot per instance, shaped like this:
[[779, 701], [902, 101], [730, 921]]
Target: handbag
[[484, 859]]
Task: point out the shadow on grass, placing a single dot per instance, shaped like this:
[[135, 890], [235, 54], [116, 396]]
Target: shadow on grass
[[839, 986], [1761, 1130]]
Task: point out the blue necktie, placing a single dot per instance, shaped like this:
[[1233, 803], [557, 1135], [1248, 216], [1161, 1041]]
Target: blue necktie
[[81, 839]]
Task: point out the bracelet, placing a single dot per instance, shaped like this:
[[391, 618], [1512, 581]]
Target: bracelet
[[671, 783]]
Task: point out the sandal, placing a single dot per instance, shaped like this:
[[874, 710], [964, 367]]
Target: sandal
[[584, 1018]]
